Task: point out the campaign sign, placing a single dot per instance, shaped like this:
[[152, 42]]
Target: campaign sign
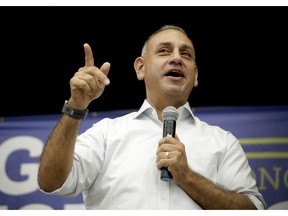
[[262, 131]]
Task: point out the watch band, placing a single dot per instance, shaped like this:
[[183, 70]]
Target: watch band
[[73, 112]]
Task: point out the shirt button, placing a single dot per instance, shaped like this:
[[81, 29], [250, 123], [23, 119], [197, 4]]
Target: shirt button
[[164, 196]]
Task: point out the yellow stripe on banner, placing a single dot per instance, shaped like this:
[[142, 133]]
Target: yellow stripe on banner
[[268, 140], [261, 155]]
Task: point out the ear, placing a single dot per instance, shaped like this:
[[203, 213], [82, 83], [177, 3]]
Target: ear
[[139, 67], [196, 76]]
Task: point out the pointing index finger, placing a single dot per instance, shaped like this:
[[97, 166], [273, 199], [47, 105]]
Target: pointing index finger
[[89, 60]]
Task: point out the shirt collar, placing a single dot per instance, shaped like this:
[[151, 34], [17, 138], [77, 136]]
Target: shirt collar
[[184, 111]]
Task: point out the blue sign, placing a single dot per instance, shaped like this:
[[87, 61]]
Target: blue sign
[[263, 133]]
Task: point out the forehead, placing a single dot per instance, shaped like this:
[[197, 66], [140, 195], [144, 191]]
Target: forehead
[[170, 36]]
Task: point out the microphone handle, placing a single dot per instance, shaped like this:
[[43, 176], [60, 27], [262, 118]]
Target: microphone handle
[[169, 128], [166, 175]]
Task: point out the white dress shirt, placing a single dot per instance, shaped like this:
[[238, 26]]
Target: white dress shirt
[[115, 162]]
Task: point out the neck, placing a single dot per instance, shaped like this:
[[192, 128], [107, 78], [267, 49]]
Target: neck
[[160, 104]]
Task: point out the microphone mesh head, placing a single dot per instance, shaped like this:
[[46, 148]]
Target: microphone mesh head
[[170, 112]]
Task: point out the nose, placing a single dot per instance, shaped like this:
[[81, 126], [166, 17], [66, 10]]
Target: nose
[[176, 57]]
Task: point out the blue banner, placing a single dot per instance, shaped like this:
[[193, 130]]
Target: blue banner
[[263, 133]]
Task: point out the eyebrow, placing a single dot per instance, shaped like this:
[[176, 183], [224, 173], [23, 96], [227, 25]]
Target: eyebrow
[[183, 46]]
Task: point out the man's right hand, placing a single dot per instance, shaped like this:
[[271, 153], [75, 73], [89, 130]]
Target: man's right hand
[[89, 82]]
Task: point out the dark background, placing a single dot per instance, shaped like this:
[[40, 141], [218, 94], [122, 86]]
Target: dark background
[[241, 54]]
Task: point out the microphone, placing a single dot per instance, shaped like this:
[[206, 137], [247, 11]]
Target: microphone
[[170, 116]]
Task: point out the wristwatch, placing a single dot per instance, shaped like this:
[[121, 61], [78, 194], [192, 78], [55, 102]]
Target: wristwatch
[[73, 112]]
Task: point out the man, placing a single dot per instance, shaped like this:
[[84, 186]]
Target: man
[[116, 163]]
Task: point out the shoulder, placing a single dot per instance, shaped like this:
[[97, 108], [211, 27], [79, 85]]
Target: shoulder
[[116, 118], [214, 130]]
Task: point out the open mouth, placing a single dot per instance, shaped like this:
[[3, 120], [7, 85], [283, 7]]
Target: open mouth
[[175, 74]]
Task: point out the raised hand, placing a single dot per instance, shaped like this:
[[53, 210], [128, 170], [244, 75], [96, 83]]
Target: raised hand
[[89, 82]]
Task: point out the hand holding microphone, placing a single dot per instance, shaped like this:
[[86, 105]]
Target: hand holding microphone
[[170, 116]]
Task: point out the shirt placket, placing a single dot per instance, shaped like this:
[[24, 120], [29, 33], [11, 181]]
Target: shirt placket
[[163, 194]]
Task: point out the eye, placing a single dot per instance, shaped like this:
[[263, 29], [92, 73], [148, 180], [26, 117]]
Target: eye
[[186, 53], [163, 51]]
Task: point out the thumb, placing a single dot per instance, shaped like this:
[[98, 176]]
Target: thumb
[[105, 68]]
